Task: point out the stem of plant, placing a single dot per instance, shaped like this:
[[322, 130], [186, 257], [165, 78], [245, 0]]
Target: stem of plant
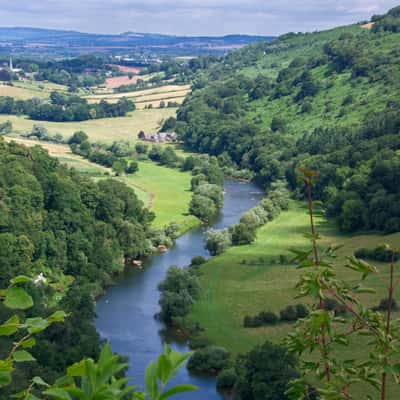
[[388, 321], [324, 352]]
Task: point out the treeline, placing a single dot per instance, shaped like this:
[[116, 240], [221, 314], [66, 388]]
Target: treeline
[[65, 108], [246, 230], [118, 156], [73, 231], [358, 162]]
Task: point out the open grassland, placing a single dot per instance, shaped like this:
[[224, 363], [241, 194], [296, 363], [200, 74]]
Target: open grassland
[[166, 191], [231, 289], [105, 130], [169, 191]]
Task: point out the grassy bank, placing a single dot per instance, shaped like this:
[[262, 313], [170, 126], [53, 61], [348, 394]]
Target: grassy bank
[[231, 289]]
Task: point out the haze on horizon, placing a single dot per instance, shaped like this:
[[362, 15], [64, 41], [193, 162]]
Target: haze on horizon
[[190, 17]]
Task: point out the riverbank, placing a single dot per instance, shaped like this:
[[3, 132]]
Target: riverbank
[[247, 280], [126, 312]]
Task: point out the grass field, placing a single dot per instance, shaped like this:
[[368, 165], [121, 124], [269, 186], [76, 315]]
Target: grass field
[[232, 289], [169, 191], [105, 130], [24, 90]]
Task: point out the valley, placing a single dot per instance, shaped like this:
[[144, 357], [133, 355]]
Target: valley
[[255, 220]]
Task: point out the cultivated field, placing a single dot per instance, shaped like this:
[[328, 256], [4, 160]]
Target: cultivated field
[[127, 70], [142, 98], [105, 130], [24, 90], [231, 289]]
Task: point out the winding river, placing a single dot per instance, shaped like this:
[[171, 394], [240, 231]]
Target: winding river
[[125, 314]]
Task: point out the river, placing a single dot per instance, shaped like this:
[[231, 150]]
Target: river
[[125, 314]]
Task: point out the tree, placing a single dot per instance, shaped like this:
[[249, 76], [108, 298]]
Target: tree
[[264, 373], [132, 167], [242, 234], [120, 166], [202, 207], [218, 241], [278, 124], [78, 137]]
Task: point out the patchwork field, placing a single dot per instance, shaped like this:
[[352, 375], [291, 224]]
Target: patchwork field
[[142, 98], [232, 289], [105, 130]]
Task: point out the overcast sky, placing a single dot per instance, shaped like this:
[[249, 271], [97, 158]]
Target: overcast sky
[[189, 17]]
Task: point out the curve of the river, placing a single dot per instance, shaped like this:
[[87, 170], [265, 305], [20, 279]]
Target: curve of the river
[[125, 314]]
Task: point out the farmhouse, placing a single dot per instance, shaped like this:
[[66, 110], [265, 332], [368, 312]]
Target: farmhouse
[[160, 137]]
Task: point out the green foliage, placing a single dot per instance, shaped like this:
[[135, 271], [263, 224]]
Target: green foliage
[[210, 360], [72, 234], [217, 241], [264, 373], [179, 291], [323, 329]]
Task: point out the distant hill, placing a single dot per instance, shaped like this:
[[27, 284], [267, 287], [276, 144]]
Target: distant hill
[[34, 40]]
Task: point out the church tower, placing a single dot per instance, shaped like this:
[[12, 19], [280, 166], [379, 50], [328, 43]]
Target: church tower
[[11, 64]]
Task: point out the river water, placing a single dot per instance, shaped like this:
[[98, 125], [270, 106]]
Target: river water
[[125, 314]]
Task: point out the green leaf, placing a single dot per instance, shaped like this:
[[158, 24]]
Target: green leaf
[[18, 298], [37, 380], [23, 356], [10, 327], [6, 368], [77, 369], [58, 316], [36, 325], [28, 343], [20, 279], [57, 393], [178, 389]]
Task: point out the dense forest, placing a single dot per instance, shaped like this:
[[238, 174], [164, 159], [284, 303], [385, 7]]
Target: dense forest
[[76, 233], [336, 111]]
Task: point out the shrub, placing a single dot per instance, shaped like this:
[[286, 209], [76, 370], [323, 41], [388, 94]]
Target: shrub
[[210, 359], [226, 380], [202, 207], [302, 311], [288, 314], [333, 305], [242, 234], [384, 304], [198, 260], [380, 253], [218, 241]]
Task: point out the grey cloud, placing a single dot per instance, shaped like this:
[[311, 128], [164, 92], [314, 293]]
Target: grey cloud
[[190, 17]]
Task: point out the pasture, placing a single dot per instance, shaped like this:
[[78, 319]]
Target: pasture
[[105, 130], [232, 289]]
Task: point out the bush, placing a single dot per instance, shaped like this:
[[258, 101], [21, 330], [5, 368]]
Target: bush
[[242, 234], [210, 359], [288, 314], [333, 305], [218, 241], [302, 311], [198, 260], [198, 342], [384, 305], [380, 253], [226, 380], [202, 207]]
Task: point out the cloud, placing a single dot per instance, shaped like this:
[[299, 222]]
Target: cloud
[[190, 17]]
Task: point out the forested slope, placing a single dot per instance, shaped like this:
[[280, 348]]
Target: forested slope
[[73, 235], [327, 100]]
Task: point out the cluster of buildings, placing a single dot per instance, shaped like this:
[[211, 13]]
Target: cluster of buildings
[[160, 137]]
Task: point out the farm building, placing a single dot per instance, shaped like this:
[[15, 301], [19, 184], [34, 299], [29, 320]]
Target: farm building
[[160, 137]]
